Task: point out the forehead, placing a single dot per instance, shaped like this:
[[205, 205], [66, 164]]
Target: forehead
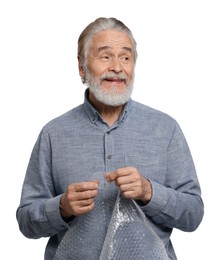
[[111, 39]]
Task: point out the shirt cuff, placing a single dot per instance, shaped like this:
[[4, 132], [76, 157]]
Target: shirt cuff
[[158, 201], [53, 213]]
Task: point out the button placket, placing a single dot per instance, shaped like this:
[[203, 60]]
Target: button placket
[[108, 142]]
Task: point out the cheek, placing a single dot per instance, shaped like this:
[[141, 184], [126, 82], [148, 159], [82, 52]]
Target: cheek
[[130, 76], [129, 71], [96, 69]]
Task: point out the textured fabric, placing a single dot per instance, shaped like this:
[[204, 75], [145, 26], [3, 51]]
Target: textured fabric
[[79, 146]]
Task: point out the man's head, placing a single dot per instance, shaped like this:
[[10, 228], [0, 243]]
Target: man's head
[[107, 56]]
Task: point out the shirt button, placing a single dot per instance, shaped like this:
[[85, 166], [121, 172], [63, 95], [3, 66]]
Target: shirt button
[[109, 157]]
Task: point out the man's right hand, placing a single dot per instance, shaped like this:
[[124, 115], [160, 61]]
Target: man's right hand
[[78, 198]]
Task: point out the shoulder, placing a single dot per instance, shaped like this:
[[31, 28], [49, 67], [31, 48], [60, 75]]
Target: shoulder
[[149, 119], [67, 120], [143, 111]]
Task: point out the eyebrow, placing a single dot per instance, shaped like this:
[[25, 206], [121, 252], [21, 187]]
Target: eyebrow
[[108, 47]]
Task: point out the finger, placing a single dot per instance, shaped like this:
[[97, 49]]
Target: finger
[[84, 195], [83, 186], [83, 210], [85, 203], [127, 187], [129, 194], [96, 181], [112, 176]]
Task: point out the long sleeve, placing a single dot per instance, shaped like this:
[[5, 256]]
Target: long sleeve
[[178, 202], [78, 147], [38, 213]]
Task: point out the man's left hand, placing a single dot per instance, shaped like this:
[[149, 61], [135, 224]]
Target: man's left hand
[[131, 183]]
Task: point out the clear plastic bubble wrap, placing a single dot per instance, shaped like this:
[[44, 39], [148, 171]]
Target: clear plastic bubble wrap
[[129, 236]]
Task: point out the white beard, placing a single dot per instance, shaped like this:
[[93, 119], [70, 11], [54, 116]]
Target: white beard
[[113, 97]]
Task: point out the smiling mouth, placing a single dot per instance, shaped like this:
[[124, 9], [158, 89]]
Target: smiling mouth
[[114, 80]]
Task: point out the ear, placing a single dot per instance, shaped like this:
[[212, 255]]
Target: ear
[[81, 67]]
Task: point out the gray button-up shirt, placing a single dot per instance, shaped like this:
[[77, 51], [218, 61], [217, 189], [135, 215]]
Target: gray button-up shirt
[[80, 146]]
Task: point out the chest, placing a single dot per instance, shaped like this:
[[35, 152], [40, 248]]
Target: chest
[[87, 155]]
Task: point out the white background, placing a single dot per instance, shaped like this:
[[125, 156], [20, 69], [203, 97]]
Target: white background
[[178, 71]]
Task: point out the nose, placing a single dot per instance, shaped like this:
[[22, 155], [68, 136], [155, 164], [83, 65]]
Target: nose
[[115, 65]]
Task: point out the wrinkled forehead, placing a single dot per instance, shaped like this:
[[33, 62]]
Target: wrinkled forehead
[[111, 39]]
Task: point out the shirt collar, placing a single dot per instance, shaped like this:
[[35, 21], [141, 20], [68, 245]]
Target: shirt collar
[[94, 115]]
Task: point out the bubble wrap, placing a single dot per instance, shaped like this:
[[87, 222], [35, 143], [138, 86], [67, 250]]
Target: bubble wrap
[[128, 235]]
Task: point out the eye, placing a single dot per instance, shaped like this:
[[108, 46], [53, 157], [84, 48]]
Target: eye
[[125, 58], [104, 57]]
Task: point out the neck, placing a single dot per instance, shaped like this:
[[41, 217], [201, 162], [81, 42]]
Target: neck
[[110, 114]]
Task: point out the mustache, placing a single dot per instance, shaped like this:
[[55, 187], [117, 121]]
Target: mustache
[[112, 75]]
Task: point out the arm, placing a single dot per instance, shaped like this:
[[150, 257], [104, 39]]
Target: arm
[[38, 214], [175, 203], [178, 203]]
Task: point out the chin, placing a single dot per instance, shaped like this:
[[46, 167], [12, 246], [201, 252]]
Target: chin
[[110, 99], [111, 96]]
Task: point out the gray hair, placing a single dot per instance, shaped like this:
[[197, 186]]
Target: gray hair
[[99, 25]]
